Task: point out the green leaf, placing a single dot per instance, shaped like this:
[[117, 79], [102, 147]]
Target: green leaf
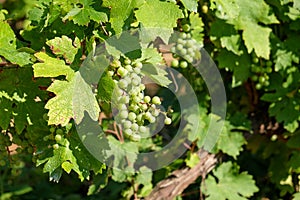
[[106, 87], [197, 27], [257, 37], [83, 13], [19, 93], [283, 59], [8, 46], [191, 5], [72, 99], [64, 47], [51, 67], [120, 11], [230, 184], [157, 74], [151, 14], [62, 158]]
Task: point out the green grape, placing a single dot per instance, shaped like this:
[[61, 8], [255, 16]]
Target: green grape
[[183, 64], [155, 112], [269, 69], [123, 84], [168, 121], [135, 137], [255, 60], [254, 77], [110, 73], [131, 116], [175, 63], [142, 129], [138, 65], [128, 68], [179, 47], [52, 129], [152, 119], [183, 35], [156, 100], [186, 28], [127, 132], [123, 114], [58, 138], [258, 86], [269, 64], [127, 124], [204, 9], [137, 70], [134, 127], [127, 61], [55, 146], [261, 79], [122, 71], [59, 131], [147, 99]]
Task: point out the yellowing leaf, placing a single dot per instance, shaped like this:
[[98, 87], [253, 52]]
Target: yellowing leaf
[[64, 47]]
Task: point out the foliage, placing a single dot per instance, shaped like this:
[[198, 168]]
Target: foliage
[[49, 69]]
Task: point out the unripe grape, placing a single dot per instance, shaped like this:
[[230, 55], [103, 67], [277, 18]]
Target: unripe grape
[[52, 129], [123, 114], [134, 127], [175, 63], [155, 112], [127, 124], [135, 137], [156, 100], [138, 65], [58, 138], [179, 47], [186, 28], [204, 9], [152, 119], [183, 64], [110, 73], [128, 68], [127, 132], [59, 131], [147, 99], [148, 115], [137, 70], [142, 129], [168, 121], [131, 116], [127, 61], [123, 84], [183, 35], [55, 146], [258, 86], [122, 71], [144, 107]]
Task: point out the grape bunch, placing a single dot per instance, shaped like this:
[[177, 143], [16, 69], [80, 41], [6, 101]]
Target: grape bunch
[[186, 50], [134, 109], [261, 76]]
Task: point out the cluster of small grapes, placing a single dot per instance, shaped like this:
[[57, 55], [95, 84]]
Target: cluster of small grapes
[[56, 135], [134, 109], [186, 50], [261, 76]]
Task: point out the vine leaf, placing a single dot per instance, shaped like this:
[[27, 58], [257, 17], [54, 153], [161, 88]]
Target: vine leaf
[[51, 67], [191, 5], [257, 37], [64, 47], [72, 90], [83, 13], [8, 46], [230, 185], [163, 10], [120, 11]]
